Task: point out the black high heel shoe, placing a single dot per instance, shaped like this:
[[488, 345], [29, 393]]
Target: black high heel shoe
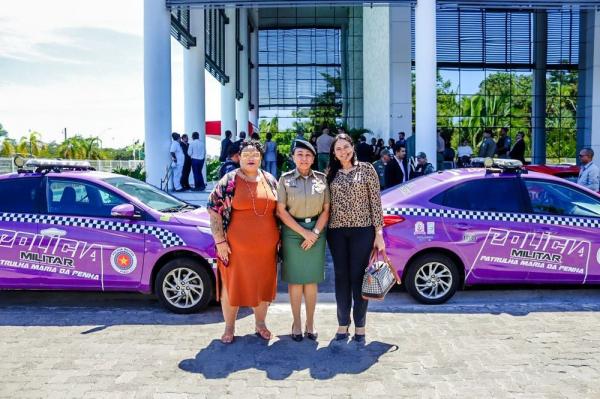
[[342, 336], [310, 335], [359, 338], [296, 337]]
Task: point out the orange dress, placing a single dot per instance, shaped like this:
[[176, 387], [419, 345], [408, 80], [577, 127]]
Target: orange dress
[[251, 275]]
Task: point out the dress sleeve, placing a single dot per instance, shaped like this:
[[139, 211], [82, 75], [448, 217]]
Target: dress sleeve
[[375, 196]]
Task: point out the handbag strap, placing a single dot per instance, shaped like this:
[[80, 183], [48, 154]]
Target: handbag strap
[[375, 256]]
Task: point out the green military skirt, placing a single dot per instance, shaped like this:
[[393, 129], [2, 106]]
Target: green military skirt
[[300, 266]]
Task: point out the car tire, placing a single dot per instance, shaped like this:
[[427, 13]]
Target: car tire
[[194, 290], [421, 283]]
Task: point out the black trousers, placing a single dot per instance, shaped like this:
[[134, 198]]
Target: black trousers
[[185, 174], [350, 248]]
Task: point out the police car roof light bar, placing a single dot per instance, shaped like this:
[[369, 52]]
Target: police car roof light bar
[[56, 165], [501, 165]]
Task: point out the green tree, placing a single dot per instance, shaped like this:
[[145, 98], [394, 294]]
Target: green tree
[[7, 147], [72, 148], [92, 148], [31, 145]]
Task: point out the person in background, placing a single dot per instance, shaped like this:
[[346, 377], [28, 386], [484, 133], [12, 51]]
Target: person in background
[[271, 155], [487, 148], [449, 153], [197, 153], [363, 150], [380, 166], [255, 136], [401, 139], [323, 145], [440, 147], [225, 143], [518, 149], [391, 145], [464, 153], [232, 162], [177, 160], [504, 143], [380, 146], [397, 170], [303, 207], [241, 139], [374, 154], [589, 174], [187, 163], [423, 167]]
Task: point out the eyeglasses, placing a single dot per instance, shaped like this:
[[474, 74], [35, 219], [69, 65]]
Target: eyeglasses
[[248, 155]]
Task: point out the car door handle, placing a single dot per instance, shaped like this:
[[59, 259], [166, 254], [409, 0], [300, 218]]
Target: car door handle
[[462, 226], [52, 232]]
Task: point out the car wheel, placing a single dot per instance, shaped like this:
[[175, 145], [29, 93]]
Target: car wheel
[[432, 279], [183, 286]]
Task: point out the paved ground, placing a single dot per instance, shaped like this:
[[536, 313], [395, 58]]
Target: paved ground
[[491, 343]]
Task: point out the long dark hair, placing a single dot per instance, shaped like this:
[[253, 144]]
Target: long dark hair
[[334, 163]]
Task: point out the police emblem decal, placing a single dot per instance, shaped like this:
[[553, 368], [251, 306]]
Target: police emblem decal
[[123, 260]]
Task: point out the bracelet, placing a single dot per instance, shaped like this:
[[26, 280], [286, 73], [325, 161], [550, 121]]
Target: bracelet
[[220, 242]]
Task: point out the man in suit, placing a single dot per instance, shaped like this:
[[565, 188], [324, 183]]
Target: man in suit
[[397, 170], [518, 150], [363, 150]]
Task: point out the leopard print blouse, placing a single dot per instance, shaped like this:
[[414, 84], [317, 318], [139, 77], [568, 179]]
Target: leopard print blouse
[[356, 199]]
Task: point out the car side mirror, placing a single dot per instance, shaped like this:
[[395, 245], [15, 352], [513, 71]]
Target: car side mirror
[[126, 211]]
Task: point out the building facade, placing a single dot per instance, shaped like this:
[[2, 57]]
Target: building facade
[[414, 66]]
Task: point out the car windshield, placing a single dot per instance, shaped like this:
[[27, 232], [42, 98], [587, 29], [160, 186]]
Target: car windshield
[[147, 194]]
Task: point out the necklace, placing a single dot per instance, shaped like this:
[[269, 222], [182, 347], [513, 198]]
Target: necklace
[[252, 197]]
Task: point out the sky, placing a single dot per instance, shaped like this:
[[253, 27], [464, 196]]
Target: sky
[[78, 64]]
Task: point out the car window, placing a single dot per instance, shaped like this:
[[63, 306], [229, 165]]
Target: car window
[[20, 195], [487, 194], [70, 197], [145, 193], [551, 198]]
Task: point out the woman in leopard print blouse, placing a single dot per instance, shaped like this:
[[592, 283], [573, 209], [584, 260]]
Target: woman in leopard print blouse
[[355, 229]]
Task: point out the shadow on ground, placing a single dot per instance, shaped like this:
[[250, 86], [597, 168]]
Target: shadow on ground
[[284, 357]]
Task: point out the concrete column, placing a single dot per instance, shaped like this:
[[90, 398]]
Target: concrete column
[[425, 74], [376, 70], [194, 102], [242, 104], [254, 72], [588, 101], [401, 74], [540, 46], [228, 121], [157, 90]]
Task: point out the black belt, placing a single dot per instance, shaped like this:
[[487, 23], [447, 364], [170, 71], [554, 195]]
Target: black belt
[[307, 220]]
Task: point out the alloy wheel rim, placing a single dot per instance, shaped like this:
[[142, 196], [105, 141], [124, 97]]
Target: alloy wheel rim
[[183, 288], [433, 280]]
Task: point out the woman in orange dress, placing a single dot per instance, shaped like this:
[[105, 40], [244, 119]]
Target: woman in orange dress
[[242, 217]]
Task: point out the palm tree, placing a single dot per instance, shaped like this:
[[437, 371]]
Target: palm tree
[[31, 144], [72, 148], [92, 148], [7, 148]]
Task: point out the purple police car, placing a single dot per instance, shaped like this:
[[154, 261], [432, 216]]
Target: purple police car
[[489, 226], [65, 226]]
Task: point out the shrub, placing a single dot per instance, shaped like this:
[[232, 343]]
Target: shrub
[[137, 173]]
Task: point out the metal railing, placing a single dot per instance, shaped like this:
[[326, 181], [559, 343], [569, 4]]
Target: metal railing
[[7, 165]]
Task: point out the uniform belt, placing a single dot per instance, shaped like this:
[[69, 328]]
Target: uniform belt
[[307, 220]]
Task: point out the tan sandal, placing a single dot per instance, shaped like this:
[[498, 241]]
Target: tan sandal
[[228, 336], [263, 332]]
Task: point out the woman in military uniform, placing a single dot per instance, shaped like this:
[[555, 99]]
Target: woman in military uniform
[[303, 207]]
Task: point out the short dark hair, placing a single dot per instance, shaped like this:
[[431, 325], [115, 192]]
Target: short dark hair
[[362, 138], [184, 136], [228, 133], [175, 136], [402, 133], [269, 136], [242, 135], [589, 151], [195, 136], [252, 143], [255, 136]]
